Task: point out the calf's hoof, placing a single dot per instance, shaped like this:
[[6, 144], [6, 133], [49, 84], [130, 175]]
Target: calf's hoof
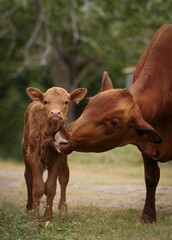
[[63, 209]]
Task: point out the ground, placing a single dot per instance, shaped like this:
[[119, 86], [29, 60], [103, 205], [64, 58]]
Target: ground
[[105, 196], [91, 185]]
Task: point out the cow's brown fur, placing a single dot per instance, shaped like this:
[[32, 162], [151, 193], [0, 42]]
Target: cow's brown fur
[[140, 115], [43, 117]]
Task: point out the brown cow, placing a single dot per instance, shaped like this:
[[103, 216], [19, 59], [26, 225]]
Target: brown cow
[[140, 115], [43, 118]]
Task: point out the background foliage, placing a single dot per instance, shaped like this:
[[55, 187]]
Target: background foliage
[[68, 44]]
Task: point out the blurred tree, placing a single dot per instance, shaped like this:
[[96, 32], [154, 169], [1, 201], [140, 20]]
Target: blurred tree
[[68, 44]]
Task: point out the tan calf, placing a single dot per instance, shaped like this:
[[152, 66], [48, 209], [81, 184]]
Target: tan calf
[[43, 118]]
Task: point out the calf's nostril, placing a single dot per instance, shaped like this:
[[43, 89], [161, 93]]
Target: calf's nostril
[[55, 113]]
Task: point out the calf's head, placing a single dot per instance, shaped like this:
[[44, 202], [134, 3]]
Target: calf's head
[[111, 119], [54, 104]]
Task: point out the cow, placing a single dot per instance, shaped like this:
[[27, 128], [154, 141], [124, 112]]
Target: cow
[[140, 115], [42, 119]]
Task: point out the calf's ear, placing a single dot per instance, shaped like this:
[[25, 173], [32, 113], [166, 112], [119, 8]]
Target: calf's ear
[[106, 82], [78, 94], [147, 132], [35, 94]]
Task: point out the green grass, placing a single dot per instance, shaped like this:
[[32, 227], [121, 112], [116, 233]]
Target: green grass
[[93, 214], [128, 154], [83, 223]]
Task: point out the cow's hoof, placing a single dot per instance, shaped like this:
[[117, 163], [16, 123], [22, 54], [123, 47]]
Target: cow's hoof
[[147, 218]]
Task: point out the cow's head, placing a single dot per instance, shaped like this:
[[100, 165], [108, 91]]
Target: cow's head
[[111, 119], [55, 104]]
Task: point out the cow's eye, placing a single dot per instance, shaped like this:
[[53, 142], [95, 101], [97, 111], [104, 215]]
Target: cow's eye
[[115, 122], [45, 102], [67, 102]]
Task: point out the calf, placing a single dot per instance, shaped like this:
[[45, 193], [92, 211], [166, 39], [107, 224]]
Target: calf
[[140, 115], [43, 118]]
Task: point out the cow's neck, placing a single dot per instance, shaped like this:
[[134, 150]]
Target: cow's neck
[[152, 89], [149, 97]]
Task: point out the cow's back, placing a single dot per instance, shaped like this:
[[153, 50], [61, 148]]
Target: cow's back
[[152, 87], [153, 75], [160, 46]]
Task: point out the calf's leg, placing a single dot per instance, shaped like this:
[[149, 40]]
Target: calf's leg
[[63, 180], [29, 183], [152, 175], [50, 190], [28, 179], [38, 188], [61, 169]]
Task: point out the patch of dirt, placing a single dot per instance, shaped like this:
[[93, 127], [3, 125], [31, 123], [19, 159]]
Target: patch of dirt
[[85, 188], [130, 189], [11, 182]]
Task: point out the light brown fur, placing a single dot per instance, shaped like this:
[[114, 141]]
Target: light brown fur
[[43, 117]]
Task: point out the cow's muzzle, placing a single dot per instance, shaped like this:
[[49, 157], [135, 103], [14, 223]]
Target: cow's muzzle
[[62, 144]]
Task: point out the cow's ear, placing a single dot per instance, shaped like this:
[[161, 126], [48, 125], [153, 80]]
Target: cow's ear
[[106, 82], [147, 132], [35, 94], [78, 94]]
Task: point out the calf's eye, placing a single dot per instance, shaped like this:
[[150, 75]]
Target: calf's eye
[[115, 122], [66, 103]]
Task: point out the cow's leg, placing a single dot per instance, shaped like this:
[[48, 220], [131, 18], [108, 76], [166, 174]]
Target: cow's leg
[[63, 180], [29, 182], [152, 175], [38, 188], [50, 190]]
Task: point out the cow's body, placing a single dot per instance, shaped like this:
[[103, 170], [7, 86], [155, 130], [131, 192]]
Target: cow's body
[[140, 115], [152, 89], [43, 117]]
